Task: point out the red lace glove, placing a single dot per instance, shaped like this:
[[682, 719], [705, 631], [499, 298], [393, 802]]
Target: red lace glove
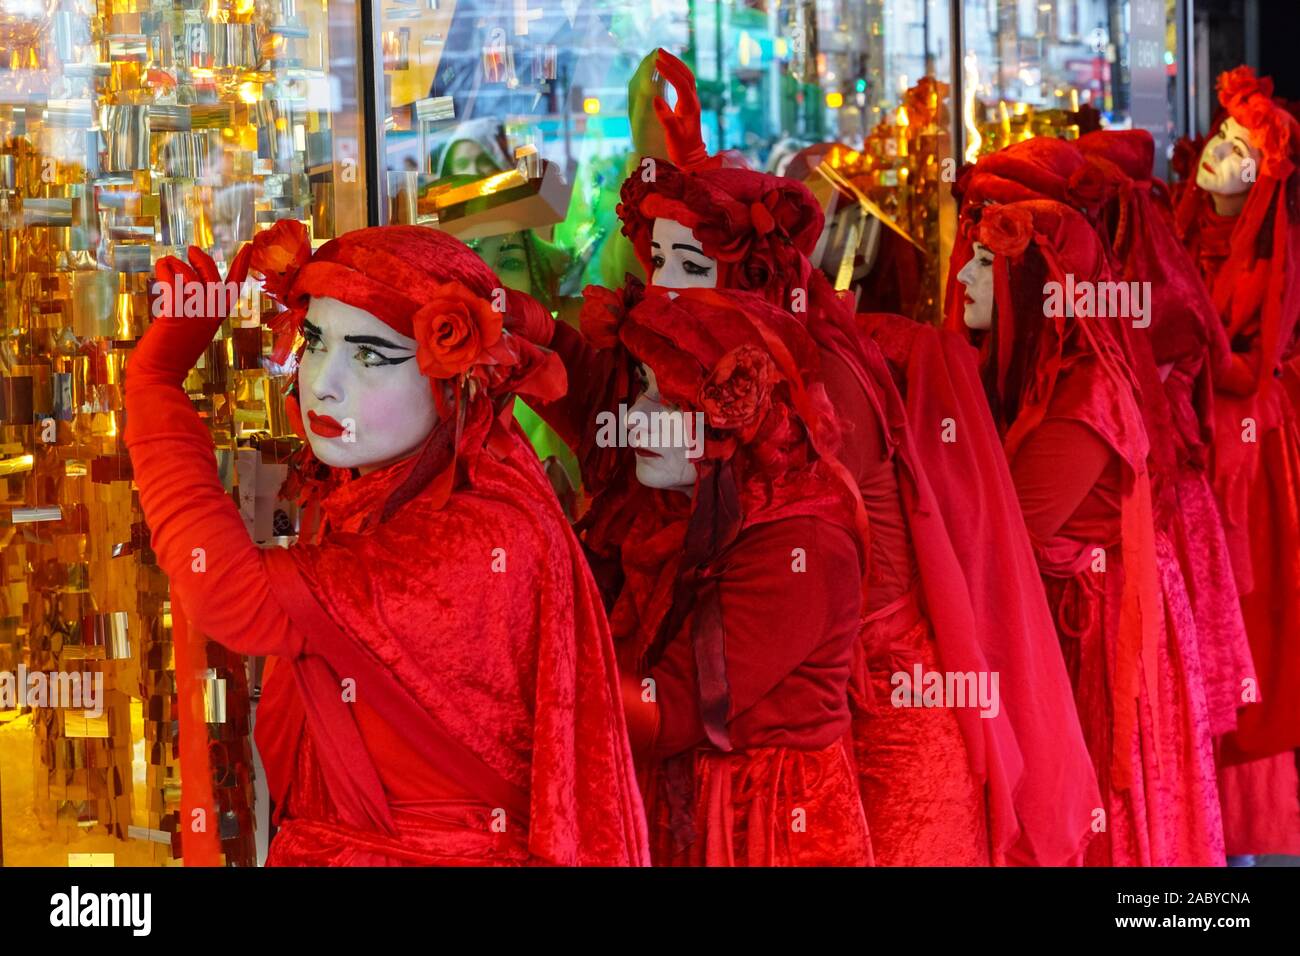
[[682, 124], [196, 532]]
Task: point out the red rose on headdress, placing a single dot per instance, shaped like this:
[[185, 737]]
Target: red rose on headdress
[[453, 330], [794, 212], [1006, 230], [278, 254], [1088, 186], [738, 390]]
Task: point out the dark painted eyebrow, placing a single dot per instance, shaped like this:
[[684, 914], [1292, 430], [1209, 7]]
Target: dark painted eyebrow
[[688, 248], [313, 329], [373, 340], [1242, 141]]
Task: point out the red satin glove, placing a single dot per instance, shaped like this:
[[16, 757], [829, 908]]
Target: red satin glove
[[681, 124]]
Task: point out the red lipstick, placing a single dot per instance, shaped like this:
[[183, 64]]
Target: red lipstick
[[324, 425], [646, 453]]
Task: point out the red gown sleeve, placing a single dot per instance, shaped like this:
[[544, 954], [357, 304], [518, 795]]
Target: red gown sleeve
[[224, 588], [1055, 469], [588, 369], [776, 619]]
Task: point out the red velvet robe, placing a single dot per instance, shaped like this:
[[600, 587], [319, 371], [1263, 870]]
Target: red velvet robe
[[965, 516], [445, 692], [1257, 483], [1079, 474], [786, 793]]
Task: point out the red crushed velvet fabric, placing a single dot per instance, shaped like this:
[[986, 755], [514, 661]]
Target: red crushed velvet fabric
[[765, 806], [748, 720], [1127, 631], [1052, 797], [915, 825]]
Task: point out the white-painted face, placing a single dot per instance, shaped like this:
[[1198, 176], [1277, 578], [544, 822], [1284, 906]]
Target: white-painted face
[[679, 259], [364, 402], [977, 277], [1229, 162], [661, 459]]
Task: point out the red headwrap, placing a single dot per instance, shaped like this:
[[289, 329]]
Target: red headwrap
[[425, 285], [1038, 168], [757, 226], [1257, 288]]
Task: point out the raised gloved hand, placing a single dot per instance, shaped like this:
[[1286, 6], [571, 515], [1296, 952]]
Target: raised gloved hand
[[681, 124], [172, 345]]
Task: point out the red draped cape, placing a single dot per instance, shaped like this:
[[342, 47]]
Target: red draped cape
[[980, 577]]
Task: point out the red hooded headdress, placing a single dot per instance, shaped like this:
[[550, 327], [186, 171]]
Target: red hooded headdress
[[1256, 289], [425, 285]]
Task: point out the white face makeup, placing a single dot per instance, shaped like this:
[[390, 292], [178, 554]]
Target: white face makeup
[[658, 466], [1224, 169], [679, 259], [977, 277], [364, 402]]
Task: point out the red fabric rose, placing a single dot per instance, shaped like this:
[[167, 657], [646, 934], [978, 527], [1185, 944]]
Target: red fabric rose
[[727, 234], [454, 330], [1006, 230], [737, 392], [278, 254], [1089, 185], [1237, 86]]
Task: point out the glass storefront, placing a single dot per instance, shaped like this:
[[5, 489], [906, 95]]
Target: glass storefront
[[130, 129]]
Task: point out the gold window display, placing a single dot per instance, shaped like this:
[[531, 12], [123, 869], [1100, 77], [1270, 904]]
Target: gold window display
[[130, 129]]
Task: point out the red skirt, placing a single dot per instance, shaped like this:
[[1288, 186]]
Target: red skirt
[[923, 803], [1169, 815], [768, 806]]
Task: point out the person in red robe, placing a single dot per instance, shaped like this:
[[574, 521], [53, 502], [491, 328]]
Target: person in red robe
[[1185, 342], [1236, 216], [732, 573], [754, 232], [1062, 389], [444, 689]]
